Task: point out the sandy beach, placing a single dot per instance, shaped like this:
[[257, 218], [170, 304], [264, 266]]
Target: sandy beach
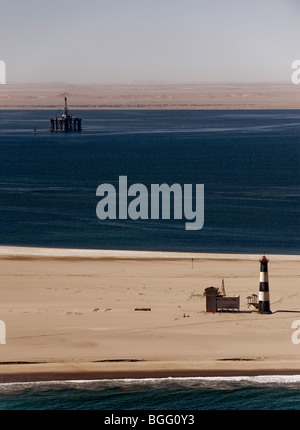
[[72, 314], [151, 95]]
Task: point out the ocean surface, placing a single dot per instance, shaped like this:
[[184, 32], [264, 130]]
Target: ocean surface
[[248, 162], [202, 393]]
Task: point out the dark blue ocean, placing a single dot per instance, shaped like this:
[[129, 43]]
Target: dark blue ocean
[[203, 393], [248, 162]]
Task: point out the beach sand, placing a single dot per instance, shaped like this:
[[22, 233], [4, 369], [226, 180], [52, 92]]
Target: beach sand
[[151, 95], [70, 314]]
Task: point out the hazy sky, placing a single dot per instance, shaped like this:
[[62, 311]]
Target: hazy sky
[[122, 41]]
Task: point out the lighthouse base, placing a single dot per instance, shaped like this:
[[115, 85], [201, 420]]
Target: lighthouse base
[[264, 308]]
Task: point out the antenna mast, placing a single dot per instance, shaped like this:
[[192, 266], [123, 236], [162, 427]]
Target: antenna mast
[[223, 288], [66, 106]]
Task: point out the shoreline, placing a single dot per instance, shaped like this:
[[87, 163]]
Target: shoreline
[[53, 376], [12, 251], [152, 108], [187, 107]]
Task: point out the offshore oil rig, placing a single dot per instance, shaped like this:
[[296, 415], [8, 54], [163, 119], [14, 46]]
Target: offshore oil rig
[[65, 122]]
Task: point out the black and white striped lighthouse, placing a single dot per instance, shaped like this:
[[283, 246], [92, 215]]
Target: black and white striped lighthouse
[[263, 296]]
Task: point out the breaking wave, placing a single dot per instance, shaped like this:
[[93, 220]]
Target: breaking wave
[[214, 382]]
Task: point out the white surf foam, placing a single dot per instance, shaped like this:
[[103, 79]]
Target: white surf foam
[[214, 382]]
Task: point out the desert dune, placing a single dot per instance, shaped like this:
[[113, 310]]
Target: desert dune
[[151, 95]]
